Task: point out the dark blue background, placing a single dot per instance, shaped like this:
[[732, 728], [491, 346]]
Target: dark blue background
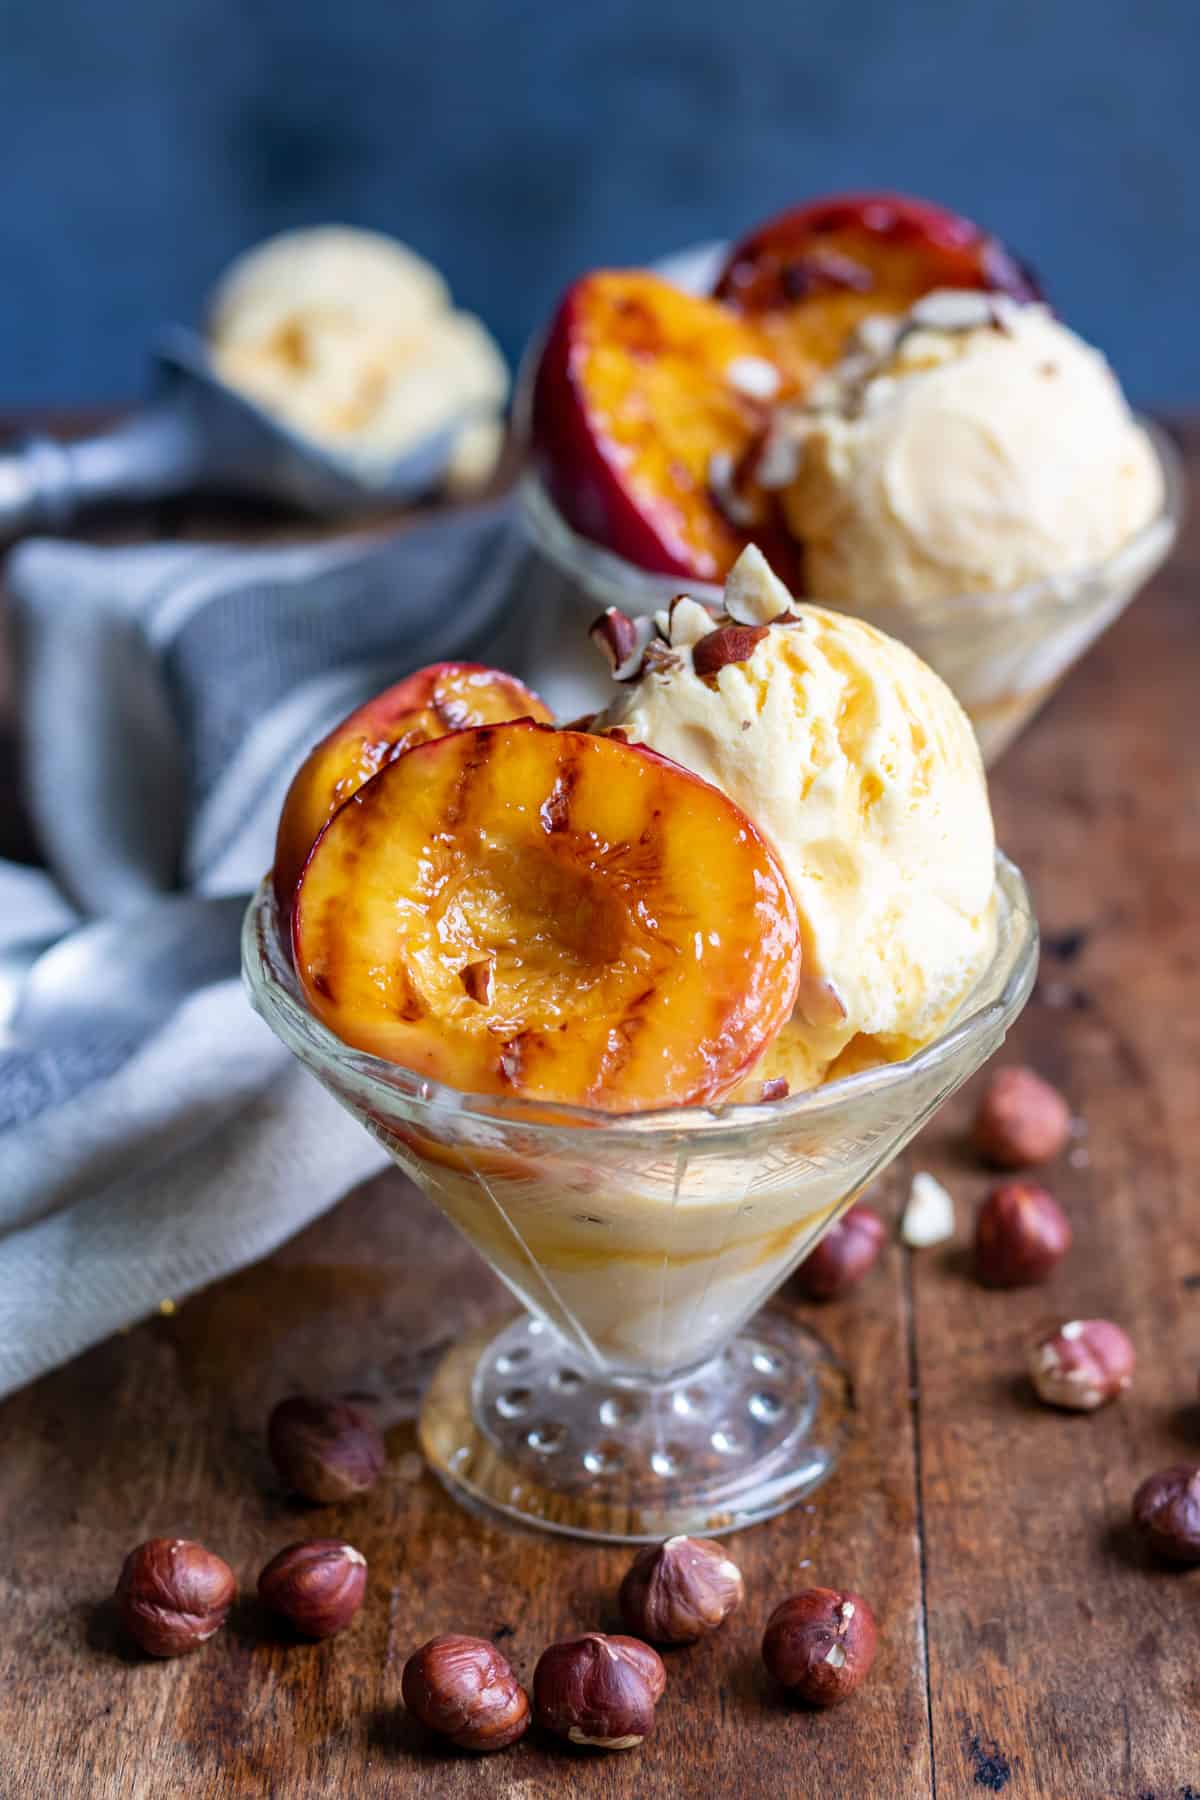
[[148, 140]]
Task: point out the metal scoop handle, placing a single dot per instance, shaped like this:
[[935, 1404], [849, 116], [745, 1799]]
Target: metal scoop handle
[[197, 433], [45, 485]]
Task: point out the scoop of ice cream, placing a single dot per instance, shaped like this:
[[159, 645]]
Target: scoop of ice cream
[[859, 766], [968, 447], [350, 338]]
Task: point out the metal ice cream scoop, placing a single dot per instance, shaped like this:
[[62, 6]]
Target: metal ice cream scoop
[[199, 434]]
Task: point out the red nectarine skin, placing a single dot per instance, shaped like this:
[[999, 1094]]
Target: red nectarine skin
[[633, 399], [810, 274], [427, 704], [641, 940]]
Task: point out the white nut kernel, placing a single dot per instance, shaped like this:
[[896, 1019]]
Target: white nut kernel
[[688, 623], [754, 377], [929, 1216], [754, 594]]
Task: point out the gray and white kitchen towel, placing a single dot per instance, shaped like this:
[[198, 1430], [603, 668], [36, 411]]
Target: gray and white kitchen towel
[[168, 694]]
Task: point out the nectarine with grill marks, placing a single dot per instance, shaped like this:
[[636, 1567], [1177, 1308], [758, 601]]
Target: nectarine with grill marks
[[550, 915]]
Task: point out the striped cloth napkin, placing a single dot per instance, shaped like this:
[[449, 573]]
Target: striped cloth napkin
[[168, 694]]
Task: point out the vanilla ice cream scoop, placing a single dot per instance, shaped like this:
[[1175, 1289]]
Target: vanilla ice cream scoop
[[968, 447], [350, 338], [859, 766]]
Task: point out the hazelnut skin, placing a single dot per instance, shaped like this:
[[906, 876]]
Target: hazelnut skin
[[1082, 1365], [598, 1690], [317, 1586], [172, 1595], [1021, 1121], [820, 1644], [462, 1688], [679, 1591], [324, 1449], [1020, 1235], [1166, 1512], [843, 1256]]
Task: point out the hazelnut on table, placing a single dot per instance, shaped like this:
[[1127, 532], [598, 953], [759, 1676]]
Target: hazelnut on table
[[172, 1595], [1081, 1365], [326, 1450], [598, 1691], [317, 1586], [679, 1591], [462, 1688], [1021, 1234], [820, 1644], [1021, 1121], [843, 1256], [1166, 1513]]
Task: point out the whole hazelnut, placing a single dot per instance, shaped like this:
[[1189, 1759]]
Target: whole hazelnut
[[172, 1595], [1166, 1511], [317, 1586], [324, 1449], [843, 1256], [598, 1690], [1021, 1233], [1081, 1365], [463, 1688], [820, 1644], [1021, 1120], [679, 1591]]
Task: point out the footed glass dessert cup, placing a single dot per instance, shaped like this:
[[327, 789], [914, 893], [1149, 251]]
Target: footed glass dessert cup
[[1002, 654], [643, 1392]]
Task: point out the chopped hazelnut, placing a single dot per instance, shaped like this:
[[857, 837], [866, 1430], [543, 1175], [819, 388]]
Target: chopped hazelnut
[[929, 1216], [623, 641], [479, 980], [754, 594], [727, 644], [687, 622], [754, 377]]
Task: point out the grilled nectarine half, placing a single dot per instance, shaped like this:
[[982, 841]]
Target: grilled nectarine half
[[808, 276], [516, 910], [444, 697], [643, 394]]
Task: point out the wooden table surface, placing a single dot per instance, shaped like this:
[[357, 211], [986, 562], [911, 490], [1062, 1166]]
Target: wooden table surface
[[1027, 1646]]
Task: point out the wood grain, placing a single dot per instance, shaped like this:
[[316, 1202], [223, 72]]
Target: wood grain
[[1027, 1648]]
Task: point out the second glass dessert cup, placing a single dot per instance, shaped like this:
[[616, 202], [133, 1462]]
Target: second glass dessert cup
[[639, 1395], [1003, 654]]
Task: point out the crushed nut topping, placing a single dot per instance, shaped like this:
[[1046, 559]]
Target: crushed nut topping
[[623, 640]]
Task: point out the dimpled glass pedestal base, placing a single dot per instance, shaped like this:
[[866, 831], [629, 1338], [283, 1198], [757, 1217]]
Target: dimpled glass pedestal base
[[649, 1388], [517, 1421]]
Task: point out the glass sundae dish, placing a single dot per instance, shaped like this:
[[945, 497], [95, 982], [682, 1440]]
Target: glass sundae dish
[[642, 1021], [872, 392]]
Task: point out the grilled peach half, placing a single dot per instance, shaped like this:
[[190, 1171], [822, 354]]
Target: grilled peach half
[[444, 697], [643, 391], [545, 914], [808, 276]]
